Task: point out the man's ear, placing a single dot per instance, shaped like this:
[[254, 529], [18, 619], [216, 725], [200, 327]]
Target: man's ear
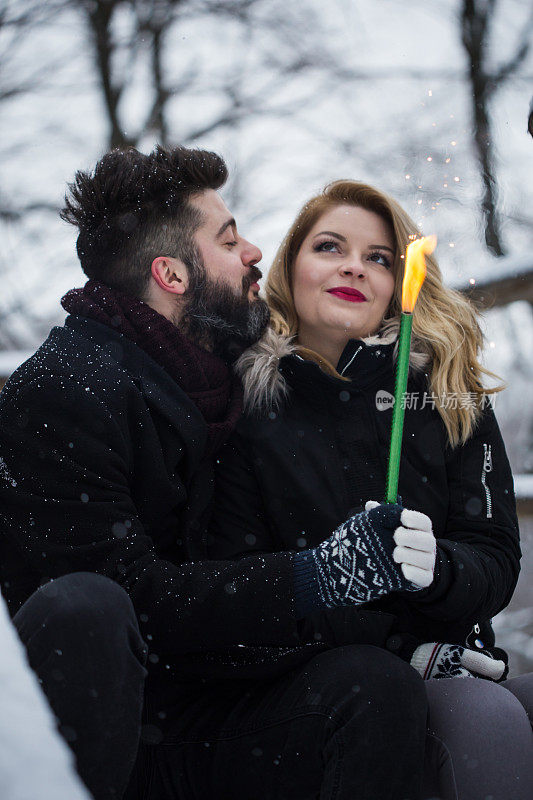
[[170, 274]]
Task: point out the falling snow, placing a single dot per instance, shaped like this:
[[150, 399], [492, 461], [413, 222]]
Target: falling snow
[[5, 474]]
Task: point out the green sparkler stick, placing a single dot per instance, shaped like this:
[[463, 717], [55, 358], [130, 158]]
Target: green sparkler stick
[[398, 412], [415, 273]]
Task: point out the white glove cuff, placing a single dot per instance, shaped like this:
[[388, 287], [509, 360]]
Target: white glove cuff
[[424, 657]]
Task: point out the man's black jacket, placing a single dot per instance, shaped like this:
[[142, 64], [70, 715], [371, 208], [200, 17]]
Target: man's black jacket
[[102, 469]]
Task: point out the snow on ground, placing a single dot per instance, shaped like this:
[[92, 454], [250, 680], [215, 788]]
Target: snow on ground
[[514, 625], [35, 762]]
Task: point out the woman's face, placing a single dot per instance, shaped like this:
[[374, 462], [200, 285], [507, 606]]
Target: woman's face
[[343, 278]]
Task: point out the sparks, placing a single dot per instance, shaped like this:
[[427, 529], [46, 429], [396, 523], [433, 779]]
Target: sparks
[[415, 270]]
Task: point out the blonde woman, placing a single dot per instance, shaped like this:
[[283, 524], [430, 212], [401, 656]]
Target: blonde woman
[[311, 453]]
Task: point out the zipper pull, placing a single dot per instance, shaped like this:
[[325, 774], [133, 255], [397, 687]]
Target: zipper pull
[[487, 458]]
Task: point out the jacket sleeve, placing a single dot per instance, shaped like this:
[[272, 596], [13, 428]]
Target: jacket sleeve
[[66, 503], [240, 520], [240, 526], [478, 556]]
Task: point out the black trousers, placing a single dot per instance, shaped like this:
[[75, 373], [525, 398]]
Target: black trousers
[[83, 641], [350, 724]]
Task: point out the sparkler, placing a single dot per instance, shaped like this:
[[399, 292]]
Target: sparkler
[[415, 273]]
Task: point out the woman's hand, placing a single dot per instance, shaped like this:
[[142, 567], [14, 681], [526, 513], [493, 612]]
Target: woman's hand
[[416, 546], [436, 660]]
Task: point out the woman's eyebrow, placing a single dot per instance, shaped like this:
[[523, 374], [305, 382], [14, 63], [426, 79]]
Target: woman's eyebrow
[[331, 233], [382, 247]]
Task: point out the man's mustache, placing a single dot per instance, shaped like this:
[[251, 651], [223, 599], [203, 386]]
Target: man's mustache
[[253, 276]]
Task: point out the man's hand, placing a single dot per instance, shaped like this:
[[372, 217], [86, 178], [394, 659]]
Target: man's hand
[[355, 565], [416, 546], [436, 660]]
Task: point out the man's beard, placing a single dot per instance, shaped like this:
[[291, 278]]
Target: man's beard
[[219, 318]]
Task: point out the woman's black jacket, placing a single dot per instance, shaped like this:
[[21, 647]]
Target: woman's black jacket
[[288, 478]]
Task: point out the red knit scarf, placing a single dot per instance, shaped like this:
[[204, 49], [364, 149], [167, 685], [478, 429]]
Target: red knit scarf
[[204, 377]]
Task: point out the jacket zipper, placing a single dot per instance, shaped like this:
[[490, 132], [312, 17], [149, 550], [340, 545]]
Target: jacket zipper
[[487, 467], [352, 358]]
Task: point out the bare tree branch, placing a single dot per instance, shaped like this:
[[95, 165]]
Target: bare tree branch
[[475, 18]]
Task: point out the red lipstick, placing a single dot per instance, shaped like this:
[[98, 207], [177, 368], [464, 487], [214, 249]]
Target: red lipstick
[[347, 293]]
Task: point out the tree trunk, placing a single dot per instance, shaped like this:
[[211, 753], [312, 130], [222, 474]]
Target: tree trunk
[[476, 16], [99, 14]]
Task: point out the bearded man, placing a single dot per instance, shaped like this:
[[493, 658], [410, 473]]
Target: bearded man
[[108, 435]]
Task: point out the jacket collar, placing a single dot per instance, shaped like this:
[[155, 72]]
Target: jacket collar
[[360, 363], [361, 358], [272, 366]]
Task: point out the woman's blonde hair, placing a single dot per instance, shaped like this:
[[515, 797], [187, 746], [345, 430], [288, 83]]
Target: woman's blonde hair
[[444, 321]]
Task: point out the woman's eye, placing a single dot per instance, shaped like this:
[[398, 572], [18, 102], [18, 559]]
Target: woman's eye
[[326, 247], [379, 258], [230, 244]]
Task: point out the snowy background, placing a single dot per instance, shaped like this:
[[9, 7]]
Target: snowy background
[[410, 96]]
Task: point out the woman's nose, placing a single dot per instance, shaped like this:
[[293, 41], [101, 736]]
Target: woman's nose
[[354, 267]]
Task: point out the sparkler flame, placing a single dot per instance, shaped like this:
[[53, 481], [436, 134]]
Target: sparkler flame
[[415, 270]]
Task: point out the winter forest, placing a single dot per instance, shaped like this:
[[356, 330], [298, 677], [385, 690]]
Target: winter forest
[[430, 105], [429, 101]]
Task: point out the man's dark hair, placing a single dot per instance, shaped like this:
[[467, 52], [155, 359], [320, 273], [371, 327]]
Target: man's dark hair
[[135, 207]]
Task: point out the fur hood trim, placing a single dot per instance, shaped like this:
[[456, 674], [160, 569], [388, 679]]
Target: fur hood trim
[[264, 386]]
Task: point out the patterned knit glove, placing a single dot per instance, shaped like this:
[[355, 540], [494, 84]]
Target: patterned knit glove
[[355, 564], [435, 660]]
